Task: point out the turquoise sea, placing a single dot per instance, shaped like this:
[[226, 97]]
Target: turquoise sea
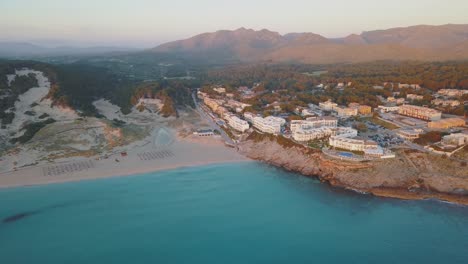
[[230, 213]]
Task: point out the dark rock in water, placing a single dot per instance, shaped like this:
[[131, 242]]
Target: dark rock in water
[[18, 217]]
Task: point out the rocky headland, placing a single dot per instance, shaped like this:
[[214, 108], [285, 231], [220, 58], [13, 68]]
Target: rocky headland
[[411, 175]]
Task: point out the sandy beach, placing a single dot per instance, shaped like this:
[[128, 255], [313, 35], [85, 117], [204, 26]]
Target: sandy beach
[[181, 153]]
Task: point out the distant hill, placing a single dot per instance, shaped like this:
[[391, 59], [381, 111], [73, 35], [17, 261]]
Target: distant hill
[[28, 50], [446, 42]]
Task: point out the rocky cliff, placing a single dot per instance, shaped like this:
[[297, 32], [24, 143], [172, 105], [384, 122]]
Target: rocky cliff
[[412, 175]]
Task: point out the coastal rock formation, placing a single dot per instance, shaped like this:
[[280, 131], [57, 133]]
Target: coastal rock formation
[[412, 175]]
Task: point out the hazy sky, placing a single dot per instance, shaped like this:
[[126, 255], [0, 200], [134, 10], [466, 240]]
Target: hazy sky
[[145, 23]]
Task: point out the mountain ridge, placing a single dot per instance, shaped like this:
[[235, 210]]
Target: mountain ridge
[[420, 42]]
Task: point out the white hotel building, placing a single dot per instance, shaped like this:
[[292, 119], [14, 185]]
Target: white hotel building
[[328, 105], [314, 122], [315, 128], [346, 111], [270, 124], [237, 123], [353, 144]]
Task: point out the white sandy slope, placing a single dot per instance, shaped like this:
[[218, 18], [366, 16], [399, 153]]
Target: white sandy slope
[[36, 96], [145, 118]]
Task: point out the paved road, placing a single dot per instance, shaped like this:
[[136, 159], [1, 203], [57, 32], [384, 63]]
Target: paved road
[[210, 121]]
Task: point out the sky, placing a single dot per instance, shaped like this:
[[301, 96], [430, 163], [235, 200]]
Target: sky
[[147, 23]]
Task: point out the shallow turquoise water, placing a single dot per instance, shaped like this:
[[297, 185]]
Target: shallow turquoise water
[[233, 213]]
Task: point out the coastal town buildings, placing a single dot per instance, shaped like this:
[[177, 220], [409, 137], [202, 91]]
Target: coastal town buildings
[[269, 124], [249, 116], [204, 133], [219, 90], [388, 109], [405, 85], [328, 105], [420, 112], [236, 105], [409, 134], [447, 123], [237, 123], [414, 97], [455, 139], [442, 102], [312, 128], [313, 122], [365, 110], [352, 144], [452, 92], [346, 111], [361, 109]]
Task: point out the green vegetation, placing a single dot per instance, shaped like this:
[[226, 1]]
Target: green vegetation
[[430, 138], [287, 143], [318, 143], [23, 83], [31, 130], [361, 127], [431, 75]]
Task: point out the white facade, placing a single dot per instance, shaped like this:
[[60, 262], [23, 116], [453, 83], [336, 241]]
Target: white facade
[[445, 102], [387, 109], [409, 134], [237, 123], [313, 122], [249, 116], [328, 106], [346, 111], [312, 128], [353, 144], [452, 92], [414, 97], [303, 135], [270, 124], [420, 112], [219, 90], [457, 139]]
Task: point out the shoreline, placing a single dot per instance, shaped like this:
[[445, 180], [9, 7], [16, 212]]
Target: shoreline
[[130, 174], [192, 153], [183, 153], [381, 179]]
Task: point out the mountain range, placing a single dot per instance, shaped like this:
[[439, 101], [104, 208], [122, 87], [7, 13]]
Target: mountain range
[[422, 42]]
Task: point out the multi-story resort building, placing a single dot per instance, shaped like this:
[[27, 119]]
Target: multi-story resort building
[[346, 111], [456, 139], [236, 105], [328, 105], [312, 128], [365, 110], [420, 112], [304, 135], [353, 144], [388, 109], [213, 104], [445, 102], [204, 133], [270, 124], [414, 97], [237, 123], [409, 134], [446, 123], [314, 122]]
